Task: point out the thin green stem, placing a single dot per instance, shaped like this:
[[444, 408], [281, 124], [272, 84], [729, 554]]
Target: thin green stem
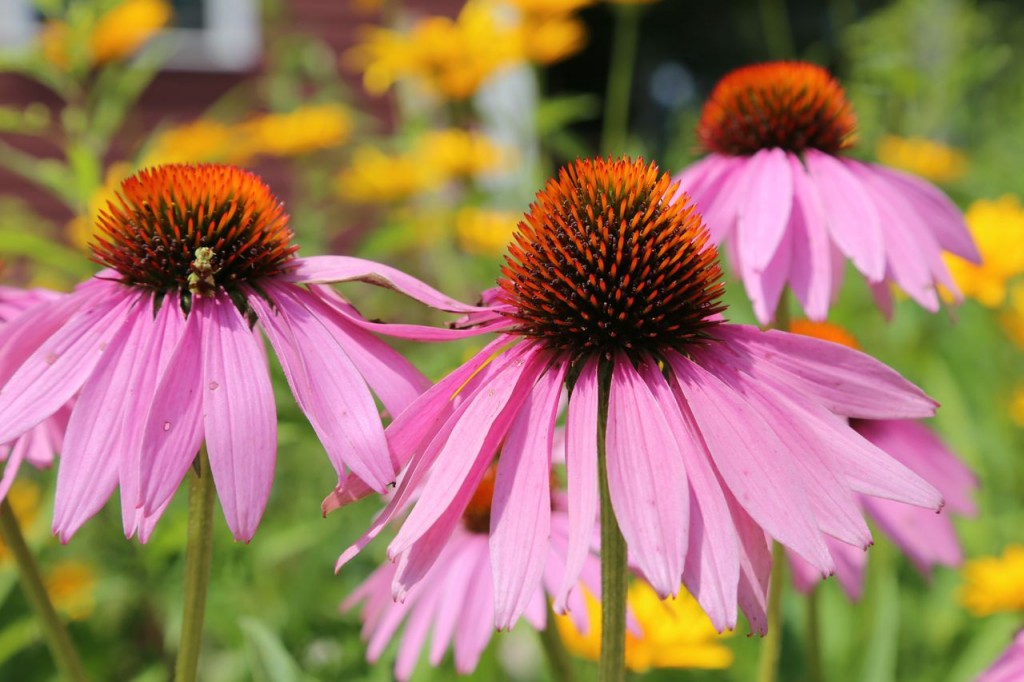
[[198, 553], [620, 79], [813, 637], [554, 650], [771, 645], [57, 638], [778, 35], [612, 666]]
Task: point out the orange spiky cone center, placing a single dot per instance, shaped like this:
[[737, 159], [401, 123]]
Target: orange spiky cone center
[[606, 261], [195, 229], [790, 105]]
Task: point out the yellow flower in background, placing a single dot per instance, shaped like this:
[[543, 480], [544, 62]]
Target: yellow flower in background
[[81, 228], [549, 8], [458, 153], [998, 230], [676, 633], [485, 232], [302, 131], [927, 158], [1017, 406], [123, 30], [451, 58], [993, 584], [1013, 317], [24, 498], [197, 141], [551, 39], [72, 586], [374, 177], [115, 35]]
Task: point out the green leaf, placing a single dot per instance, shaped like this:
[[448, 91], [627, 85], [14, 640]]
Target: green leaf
[[269, 660], [42, 250]]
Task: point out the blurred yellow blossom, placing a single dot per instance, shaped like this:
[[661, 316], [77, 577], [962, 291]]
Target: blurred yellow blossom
[[676, 633], [993, 584], [302, 131], [1017, 406], [24, 498], [451, 58], [374, 176], [115, 35], [927, 158], [71, 586], [81, 227], [551, 39], [197, 141], [1013, 315], [484, 231], [549, 8], [458, 153], [998, 230]]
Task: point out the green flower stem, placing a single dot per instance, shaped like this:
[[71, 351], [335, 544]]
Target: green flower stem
[[612, 666], [61, 648], [813, 637], [771, 646], [620, 79], [554, 649], [778, 35], [198, 553]]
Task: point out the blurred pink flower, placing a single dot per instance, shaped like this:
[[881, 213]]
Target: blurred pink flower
[[164, 350], [454, 600], [928, 539], [38, 445], [789, 208], [1009, 667], [719, 436]]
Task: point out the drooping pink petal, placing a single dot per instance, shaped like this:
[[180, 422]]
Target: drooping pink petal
[[765, 288], [102, 425], [764, 209], [755, 567], [417, 627], [493, 407], [162, 335], [329, 269], [521, 507], [174, 424], [581, 475], [239, 415], [59, 367], [849, 213], [936, 209], [1009, 667], [926, 537], [393, 378], [645, 477], [714, 192], [474, 629], [328, 388], [711, 570], [811, 262], [751, 460], [846, 381], [23, 334]]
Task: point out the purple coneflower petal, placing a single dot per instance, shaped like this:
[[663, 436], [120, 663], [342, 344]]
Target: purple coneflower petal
[[925, 537], [96, 431], [646, 477], [239, 415], [521, 507], [763, 211], [328, 387], [474, 629], [174, 423], [581, 470], [937, 210], [848, 382], [751, 460], [755, 567], [58, 368], [811, 261], [330, 269], [849, 212]]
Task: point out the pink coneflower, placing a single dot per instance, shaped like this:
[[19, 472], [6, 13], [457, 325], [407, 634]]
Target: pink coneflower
[[928, 539], [454, 601], [789, 207], [164, 349], [1009, 667], [38, 445], [717, 434]]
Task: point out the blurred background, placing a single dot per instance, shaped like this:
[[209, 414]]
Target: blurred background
[[416, 133]]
